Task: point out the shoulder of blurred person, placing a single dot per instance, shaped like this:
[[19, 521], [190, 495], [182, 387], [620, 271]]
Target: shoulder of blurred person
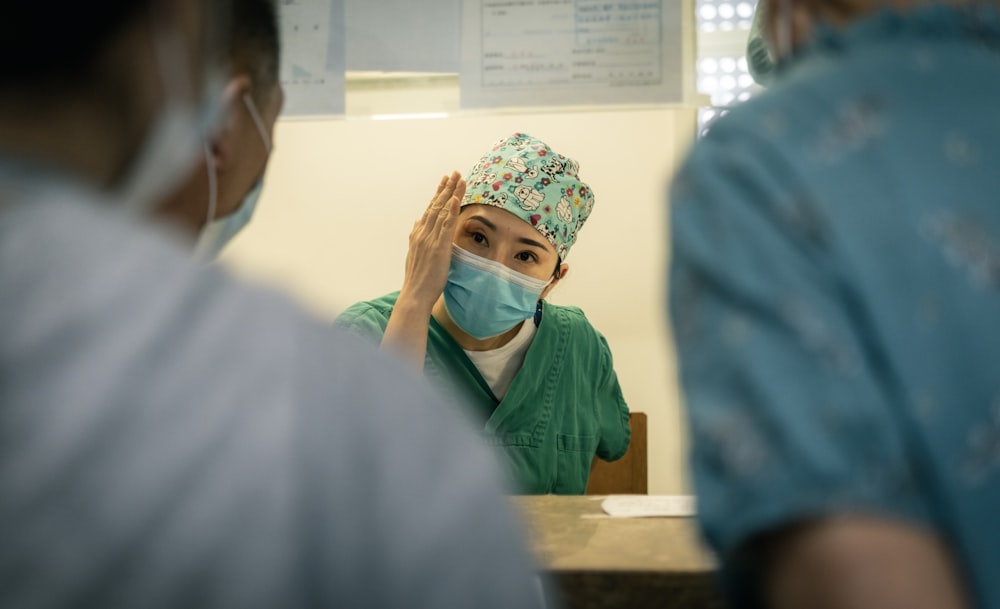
[[177, 438], [172, 437], [368, 318]]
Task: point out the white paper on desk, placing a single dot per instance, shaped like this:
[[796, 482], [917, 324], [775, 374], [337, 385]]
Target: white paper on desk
[[571, 52], [649, 506]]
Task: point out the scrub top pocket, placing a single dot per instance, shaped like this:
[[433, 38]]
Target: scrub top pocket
[[574, 455]]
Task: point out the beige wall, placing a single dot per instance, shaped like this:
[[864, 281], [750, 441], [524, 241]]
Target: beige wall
[[341, 197]]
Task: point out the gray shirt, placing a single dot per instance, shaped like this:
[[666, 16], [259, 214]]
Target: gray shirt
[[170, 437]]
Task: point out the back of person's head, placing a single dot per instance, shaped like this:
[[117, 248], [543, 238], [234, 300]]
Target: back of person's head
[[56, 45], [254, 43], [47, 43], [111, 92], [795, 20]]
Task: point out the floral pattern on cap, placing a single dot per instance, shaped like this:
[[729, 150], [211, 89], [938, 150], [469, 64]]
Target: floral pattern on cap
[[522, 175]]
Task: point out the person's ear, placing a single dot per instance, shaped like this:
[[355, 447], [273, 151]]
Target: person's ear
[[223, 144], [563, 271]]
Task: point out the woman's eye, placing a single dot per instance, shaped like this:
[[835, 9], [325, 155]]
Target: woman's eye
[[526, 257], [479, 237]]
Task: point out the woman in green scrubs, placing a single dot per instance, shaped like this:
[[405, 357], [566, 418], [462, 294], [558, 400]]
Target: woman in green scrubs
[[472, 313]]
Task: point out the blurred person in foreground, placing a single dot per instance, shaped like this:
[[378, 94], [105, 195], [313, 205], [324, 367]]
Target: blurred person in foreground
[[835, 292], [170, 437]]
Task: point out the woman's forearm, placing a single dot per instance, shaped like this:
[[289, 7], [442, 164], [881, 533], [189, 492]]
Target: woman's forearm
[[406, 333]]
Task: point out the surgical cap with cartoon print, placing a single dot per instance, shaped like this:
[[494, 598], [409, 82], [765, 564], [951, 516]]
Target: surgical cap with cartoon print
[[522, 175]]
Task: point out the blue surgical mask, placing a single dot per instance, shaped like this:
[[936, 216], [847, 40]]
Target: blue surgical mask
[[485, 298], [218, 232]]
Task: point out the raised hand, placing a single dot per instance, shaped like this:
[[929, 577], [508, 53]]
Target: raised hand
[[427, 264], [429, 256]]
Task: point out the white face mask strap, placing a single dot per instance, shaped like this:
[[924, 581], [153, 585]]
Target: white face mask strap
[[171, 143], [258, 120], [213, 185]]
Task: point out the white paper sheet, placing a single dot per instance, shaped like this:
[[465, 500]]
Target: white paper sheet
[[403, 35], [312, 56], [571, 52], [649, 506]]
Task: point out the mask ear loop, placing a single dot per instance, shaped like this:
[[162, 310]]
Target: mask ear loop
[[258, 121], [139, 190], [213, 197], [213, 184]]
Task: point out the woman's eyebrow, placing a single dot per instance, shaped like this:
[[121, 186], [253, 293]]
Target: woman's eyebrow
[[531, 242], [484, 221], [493, 227]]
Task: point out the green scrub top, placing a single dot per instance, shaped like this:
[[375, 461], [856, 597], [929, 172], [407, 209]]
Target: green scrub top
[[564, 406]]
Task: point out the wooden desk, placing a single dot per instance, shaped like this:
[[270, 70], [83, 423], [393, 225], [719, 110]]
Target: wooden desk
[[598, 562]]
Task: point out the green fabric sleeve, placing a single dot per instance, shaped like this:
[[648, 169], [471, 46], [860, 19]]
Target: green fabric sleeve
[[365, 320], [612, 411]]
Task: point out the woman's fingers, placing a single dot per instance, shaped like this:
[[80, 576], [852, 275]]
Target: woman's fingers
[[449, 214], [429, 255], [438, 220], [447, 191], [441, 185], [441, 201], [434, 200], [460, 190]]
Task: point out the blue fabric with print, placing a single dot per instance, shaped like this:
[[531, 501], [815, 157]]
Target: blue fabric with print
[[835, 291]]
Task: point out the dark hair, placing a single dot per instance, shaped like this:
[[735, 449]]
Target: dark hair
[[254, 42], [59, 40], [55, 45]]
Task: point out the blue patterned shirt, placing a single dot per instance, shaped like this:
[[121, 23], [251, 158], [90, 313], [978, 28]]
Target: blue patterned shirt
[[835, 291]]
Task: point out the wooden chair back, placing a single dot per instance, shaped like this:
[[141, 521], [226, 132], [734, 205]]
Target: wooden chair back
[[628, 475]]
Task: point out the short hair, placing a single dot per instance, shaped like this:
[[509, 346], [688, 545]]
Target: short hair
[[254, 43], [56, 44], [58, 41]]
